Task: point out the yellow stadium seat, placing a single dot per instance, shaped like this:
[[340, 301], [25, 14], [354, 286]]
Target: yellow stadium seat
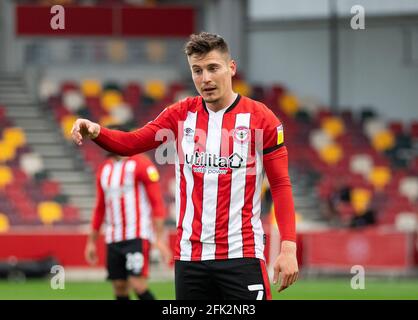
[[91, 88], [111, 99], [331, 154], [242, 87], [66, 125], [265, 186], [380, 177], [6, 176], [289, 104], [383, 140], [333, 126], [272, 215], [108, 120], [8, 152], [49, 212], [4, 223], [156, 51], [117, 51], [360, 199], [155, 89], [14, 136], [298, 217]]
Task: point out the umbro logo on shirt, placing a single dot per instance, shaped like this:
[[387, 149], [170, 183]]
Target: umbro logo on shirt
[[189, 134]]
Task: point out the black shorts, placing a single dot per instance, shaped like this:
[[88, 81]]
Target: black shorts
[[127, 258], [233, 279]]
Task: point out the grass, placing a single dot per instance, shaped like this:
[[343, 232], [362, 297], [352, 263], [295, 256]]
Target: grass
[[318, 289]]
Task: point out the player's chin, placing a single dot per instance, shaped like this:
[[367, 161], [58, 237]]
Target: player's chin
[[210, 98]]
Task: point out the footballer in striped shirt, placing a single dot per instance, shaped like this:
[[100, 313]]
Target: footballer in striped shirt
[[130, 204], [224, 143]]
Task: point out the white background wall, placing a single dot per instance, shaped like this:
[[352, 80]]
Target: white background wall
[[298, 59], [291, 9], [373, 70]]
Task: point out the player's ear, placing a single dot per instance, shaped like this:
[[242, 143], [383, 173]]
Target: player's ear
[[233, 67]]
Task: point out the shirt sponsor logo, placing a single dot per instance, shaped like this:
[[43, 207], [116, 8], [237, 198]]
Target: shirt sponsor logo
[[211, 163]]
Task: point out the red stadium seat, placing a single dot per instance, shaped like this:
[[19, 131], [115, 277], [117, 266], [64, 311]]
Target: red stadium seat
[[323, 113], [414, 166], [132, 94], [347, 116], [50, 189], [2, 114], [69, 85], [20, 177], [278, 90], [414, 130], [395, 205], [396, 127], [71, 214], [173, 89]]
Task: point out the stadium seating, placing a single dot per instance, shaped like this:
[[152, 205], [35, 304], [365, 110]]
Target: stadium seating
[[4, 223], [24, 184], [346, 148], [357, 150]]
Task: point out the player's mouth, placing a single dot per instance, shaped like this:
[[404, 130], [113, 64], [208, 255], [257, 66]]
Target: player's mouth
[[209, 89]]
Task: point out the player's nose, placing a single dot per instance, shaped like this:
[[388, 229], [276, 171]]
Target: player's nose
[[206, 76]]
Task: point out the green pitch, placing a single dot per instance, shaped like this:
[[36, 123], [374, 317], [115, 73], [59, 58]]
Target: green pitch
[[304, 289]]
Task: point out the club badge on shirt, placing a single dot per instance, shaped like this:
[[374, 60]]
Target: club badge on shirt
[[241, 134]]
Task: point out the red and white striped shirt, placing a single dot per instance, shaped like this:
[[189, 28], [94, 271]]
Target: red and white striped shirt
[[128, 197], [219, 172]]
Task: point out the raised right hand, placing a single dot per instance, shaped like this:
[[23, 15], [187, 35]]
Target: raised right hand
[[84, 128]]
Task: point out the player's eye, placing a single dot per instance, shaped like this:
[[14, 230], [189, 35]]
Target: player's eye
[[197, 71]]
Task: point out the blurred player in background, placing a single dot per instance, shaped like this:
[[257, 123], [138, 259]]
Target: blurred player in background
[[130, 200], [220, 239]]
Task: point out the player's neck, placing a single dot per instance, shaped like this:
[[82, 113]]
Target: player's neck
[[117, 158], [222, 103]]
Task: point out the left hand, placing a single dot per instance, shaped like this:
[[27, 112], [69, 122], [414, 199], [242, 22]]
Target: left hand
[[286, 266], [165, 252]]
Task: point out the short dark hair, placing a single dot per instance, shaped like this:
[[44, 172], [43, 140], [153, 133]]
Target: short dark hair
[[205, 42]]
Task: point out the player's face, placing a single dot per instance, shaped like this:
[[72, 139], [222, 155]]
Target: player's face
[[212, 75]]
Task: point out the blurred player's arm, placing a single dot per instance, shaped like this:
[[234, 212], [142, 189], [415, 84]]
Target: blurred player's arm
[[153, 190], [90, 252], [127, 143], [276, 167]]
